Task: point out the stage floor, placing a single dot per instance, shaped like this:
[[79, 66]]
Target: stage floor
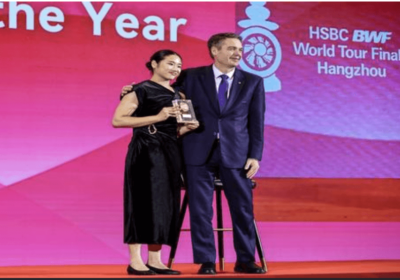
[[353, 269]]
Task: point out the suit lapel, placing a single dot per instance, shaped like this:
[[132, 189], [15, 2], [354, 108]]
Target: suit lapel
[[237, 85], [208, 83]]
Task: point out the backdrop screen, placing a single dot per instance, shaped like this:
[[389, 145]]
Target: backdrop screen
[[331, 82]]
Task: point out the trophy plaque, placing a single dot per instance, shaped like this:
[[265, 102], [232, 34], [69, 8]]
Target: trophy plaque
[[186, 111]]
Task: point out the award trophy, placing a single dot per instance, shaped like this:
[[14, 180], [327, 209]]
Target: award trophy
[[186, 111]]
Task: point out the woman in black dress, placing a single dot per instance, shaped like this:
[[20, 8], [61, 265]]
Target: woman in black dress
[[153, 163]]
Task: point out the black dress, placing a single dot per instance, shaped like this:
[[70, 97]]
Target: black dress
[[152, 172]]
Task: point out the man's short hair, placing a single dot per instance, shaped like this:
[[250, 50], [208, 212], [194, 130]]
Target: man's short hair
[[217, 39]]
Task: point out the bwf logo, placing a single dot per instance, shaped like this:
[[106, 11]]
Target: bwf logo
[[371, 36], [342, 34]]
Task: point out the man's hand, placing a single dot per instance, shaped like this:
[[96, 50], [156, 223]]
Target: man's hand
[[253, 165], [125, 90]]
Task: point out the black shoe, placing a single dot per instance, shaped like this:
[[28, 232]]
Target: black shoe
[[249, 267], [207, 268], [163, 271], [132, 271]]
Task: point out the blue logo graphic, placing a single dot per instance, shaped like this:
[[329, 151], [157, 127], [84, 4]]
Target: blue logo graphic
[[262, 52]]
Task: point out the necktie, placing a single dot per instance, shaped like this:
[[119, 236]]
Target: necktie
[[222, 91]]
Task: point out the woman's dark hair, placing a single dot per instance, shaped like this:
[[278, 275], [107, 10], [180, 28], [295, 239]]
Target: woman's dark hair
[[159, 56]]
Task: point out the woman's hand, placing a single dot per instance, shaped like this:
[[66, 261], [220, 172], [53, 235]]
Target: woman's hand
[[187, 127], [192, 125], [167, 112]]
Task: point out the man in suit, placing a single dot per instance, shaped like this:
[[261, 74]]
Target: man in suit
[[229, 104]]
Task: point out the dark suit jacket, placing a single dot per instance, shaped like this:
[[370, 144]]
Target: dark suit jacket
[[240, 124]]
